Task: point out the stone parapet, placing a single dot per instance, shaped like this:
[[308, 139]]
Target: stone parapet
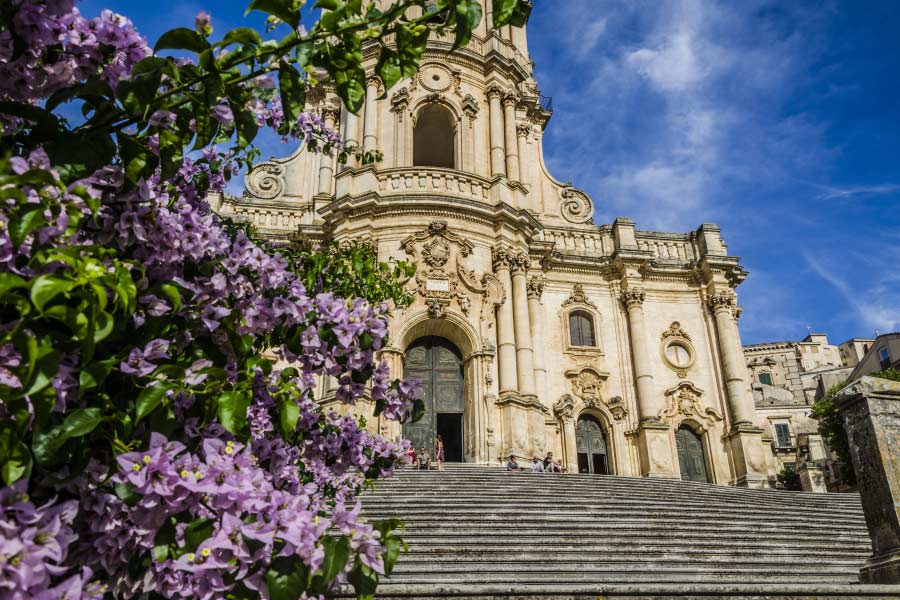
[[870, 408]]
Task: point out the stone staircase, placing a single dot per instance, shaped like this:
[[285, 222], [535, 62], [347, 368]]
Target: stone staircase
[[482, 532]]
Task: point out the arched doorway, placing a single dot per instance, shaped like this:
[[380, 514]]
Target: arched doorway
[[433, 138], [438, 363], [690, 455], [590, 442]]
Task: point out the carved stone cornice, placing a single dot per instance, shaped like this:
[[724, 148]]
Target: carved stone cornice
[[535, 287], [578, 296], [633, 297]]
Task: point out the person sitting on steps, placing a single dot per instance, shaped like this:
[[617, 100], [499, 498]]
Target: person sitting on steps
[[536, 465], [548, 462], [424, 460], [512, 465]]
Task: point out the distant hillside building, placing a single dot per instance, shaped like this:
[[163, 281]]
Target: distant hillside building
[[535, 329], [786, 379]]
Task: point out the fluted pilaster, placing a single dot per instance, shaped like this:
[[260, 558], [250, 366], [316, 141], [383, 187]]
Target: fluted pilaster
[[498, 150]]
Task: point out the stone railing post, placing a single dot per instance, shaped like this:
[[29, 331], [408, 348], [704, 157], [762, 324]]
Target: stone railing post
[[870, 409]]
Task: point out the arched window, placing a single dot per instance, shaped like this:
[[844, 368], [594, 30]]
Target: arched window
[[433, 144], [581, 329]]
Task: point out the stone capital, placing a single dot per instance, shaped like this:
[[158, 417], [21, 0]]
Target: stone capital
[[494, 91], [374, 80], [523, 129], [536, 287], [723, 300], [519, 263], [510, 98], [331, 112], [501, 257], [633, 297]]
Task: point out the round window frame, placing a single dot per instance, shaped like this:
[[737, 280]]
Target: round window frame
[[678, 341]]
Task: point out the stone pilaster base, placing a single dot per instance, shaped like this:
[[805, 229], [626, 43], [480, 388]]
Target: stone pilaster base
[[883, 569], [747, 456], [522, 426], [655, 447], [811, 478]]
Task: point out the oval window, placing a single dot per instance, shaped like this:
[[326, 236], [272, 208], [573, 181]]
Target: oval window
[[678, 355]]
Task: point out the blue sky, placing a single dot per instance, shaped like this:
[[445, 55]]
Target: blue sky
[[778, 121]]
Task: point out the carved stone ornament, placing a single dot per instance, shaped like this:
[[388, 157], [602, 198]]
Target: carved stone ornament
[[564, 408], [436, 229], [578, 297], [535, 287], [437, 308], [470, 106], [675, 330], [399, 101], [617, 407], [633, 297], [721, 300], [575, 205], [587, 384], [684, 401], [265, 181], [435, 78], [436, 253]]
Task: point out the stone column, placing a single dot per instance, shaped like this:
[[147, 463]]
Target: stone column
[[524, 348], [535, 289], [648, 407], [506, 340], [870, 408], [326, 166], [498, 151], [740, 403], [351, 135], [370, 126], [745, 437], [654, 446], [512, 152], [522, 135]]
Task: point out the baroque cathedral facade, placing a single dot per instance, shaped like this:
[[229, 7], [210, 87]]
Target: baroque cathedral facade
[[533, 328]]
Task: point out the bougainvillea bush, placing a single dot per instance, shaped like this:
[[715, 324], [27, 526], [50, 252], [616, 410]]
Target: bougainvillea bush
[[150, 445]]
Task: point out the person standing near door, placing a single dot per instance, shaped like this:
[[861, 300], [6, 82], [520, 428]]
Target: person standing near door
[[439, 452]]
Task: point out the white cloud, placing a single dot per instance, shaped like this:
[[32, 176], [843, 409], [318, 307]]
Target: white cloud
[[860, 191]]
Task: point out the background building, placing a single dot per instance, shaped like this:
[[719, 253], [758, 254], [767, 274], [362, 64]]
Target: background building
[[534, 328]]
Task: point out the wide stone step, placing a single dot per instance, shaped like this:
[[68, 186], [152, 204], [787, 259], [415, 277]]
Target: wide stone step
[[523, 577]]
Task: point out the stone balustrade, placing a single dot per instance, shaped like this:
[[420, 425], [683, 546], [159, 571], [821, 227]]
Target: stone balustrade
[[666, 248], [269, 221], [591, 243], [420, 180]]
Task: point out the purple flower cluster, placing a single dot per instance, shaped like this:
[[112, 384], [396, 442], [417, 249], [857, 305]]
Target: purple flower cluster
[[34, 546], [61, 47]]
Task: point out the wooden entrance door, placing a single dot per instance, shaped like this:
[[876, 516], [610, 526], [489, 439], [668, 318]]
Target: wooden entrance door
[[438, 363], [690, 455], [590, 442]]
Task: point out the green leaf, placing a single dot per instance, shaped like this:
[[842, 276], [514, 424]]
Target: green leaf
[[232, 411], [293, 92], [47, 287], [16, 460], [20, 227], [337, 553], [364, 581], [150, 398], [10, 281], [511, 12], [283, 9], [468, 15], [246, 126], [95, 373], [241, 35], [126, 494], [286, 578], [139, 161], [181, 38], [197, 532], [77, 423], [289, 413]]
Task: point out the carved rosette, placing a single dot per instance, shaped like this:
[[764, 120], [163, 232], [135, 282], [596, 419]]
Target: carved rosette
[[575, 206], [578, 296], [535, 287], [633, 297], [266, 181]]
